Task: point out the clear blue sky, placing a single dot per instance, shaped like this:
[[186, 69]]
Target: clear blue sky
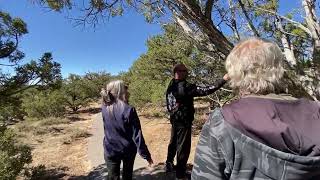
[[112, 47]]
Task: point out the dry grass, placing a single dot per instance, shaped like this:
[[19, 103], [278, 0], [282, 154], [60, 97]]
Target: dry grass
[[76, 134], [156, 130], [62, 145], [48, 139], [54, 121], [157, 136], [153, 111]]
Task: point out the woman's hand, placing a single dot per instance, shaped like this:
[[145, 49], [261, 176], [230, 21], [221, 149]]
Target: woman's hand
[[226, 77]]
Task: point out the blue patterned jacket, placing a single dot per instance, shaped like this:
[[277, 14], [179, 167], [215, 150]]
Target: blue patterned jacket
[[223, 152]]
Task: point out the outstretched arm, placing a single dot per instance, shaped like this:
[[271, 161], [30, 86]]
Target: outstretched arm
[[197, 91], [204, 91], [138, 136]]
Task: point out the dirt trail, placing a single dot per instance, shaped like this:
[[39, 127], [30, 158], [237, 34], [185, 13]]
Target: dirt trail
[[157, 135]]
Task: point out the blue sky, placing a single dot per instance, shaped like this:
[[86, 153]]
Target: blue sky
[[111, 47]]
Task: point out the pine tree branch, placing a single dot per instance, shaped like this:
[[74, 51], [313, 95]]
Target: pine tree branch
[[208, 9], [296, 23], [251, 25]]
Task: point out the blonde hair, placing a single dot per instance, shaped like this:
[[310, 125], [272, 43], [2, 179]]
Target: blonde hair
[[113, 95], [255, 66]]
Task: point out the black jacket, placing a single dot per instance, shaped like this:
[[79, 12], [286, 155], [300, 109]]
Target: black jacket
[[179, 97]]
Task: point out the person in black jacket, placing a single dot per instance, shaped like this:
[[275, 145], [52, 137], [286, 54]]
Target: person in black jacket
[[179, 97]]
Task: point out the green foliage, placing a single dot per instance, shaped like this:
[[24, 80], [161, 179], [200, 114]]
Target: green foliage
[[43, 104], [77, 92], [266, 22], [151, 73], [140, 92], [37, 74], [11, 110], [149, 8], [158, 93], [74, 92], [13, 156], [11, 29], [95, 81], [42, 74], [57, 5], [271, 5]]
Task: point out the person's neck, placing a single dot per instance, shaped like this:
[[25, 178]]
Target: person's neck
[[244, 94], [271, 96]]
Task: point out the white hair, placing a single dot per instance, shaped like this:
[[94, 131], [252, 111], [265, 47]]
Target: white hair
[[255, 66], [117, 89], [113, 95]]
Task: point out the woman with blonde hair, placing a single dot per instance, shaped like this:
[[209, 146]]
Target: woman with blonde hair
[[264, 134], [122, 130]]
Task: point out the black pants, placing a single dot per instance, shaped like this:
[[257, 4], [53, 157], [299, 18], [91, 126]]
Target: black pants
[[113, 166], [180, 144]]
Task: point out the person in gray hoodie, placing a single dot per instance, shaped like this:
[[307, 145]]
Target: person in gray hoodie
[[263, 134]]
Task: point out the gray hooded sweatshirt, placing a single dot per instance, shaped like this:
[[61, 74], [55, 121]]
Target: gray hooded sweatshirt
[[266, 137]]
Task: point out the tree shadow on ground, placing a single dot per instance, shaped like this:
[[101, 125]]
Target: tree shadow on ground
[[90, 110], [155, 173], [100, 173], [74, 118], [43, 173]]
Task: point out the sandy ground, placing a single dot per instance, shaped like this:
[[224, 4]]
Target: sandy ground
[[157, 136], [70, 158], [66, 158], [62, 148]]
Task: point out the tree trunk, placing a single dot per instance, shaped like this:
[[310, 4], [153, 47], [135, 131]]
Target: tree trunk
[[287, 47], [250, 23], [314, 27], [190, 10], [234, 21]]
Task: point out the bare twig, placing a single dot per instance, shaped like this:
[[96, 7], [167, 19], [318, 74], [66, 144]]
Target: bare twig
[[10, 65], [228, 90], [249, 20], [208, 9], [298, 24]]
